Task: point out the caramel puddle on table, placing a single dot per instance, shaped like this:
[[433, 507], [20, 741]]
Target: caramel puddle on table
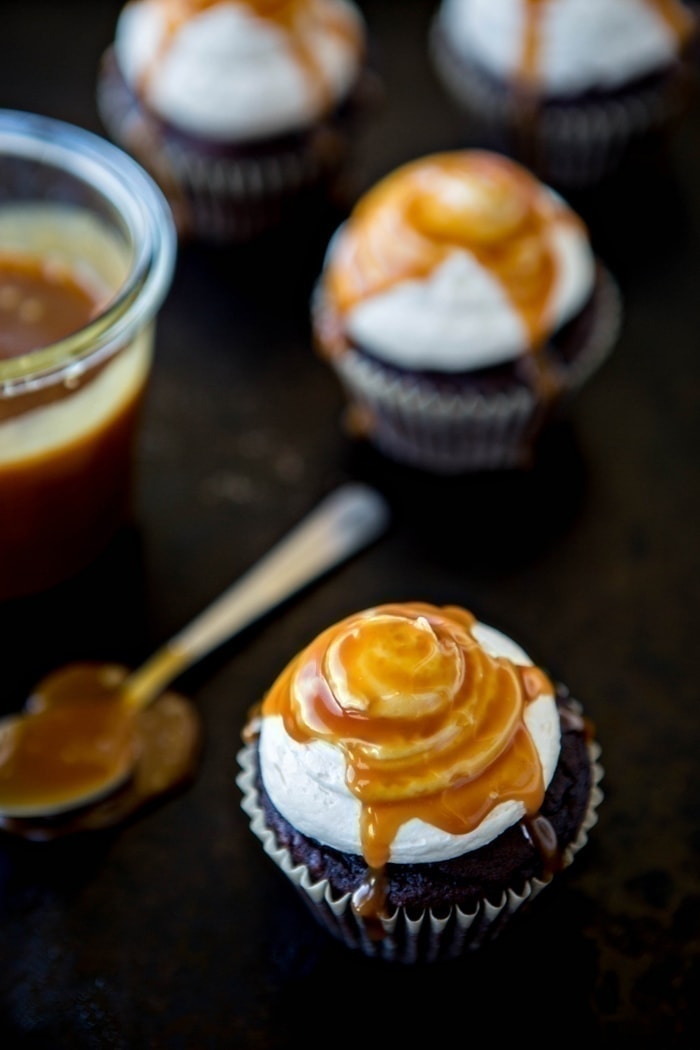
[[165, 738]]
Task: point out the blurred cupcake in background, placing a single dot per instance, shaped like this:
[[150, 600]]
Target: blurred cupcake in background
[[241, 109], [569, 87], [461, 306]]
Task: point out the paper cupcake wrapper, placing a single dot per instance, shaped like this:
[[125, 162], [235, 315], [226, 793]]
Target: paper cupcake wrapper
[[411, 421], [222, 197], [414, 938], [575, 144]]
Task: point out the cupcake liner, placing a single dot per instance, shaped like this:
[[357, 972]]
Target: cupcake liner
[[571, 143], [446, 434], [228, 194], [410, 419], [404, 938]]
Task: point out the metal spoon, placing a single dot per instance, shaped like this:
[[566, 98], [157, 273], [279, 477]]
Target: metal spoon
[[100, 723]]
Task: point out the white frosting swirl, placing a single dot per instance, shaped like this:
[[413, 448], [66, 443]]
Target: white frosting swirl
[[307, 780], [226, 72], [582, 44]]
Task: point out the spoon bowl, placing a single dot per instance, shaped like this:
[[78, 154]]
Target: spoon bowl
[[77, 739]]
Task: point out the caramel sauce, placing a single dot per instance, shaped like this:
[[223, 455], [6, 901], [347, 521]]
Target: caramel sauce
[[294, 17], [529, 71], [65, 505], [679, 20], [73, 738], [540, 833], [431, 726], [40, 302], [369, 901], [58, 507], [74, 735]]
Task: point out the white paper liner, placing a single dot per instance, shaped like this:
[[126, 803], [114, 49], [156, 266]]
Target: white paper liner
[[419, 939], [220, 198], [411, 421], [575, 144]]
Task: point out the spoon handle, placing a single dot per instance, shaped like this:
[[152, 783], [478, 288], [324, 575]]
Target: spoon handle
[[344, 522]]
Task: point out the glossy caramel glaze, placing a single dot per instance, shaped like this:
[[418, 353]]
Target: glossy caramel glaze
[[430, 725], [66, 503], [412, 220], [41, 301], [74, 737], [69, 487]]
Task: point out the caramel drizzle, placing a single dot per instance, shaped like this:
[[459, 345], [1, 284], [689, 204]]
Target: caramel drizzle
[[529, 70], [406, 226], [479, 752], [293, 16], [679, 20]]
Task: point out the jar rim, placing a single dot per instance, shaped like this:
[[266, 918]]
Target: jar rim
[[134, 194]]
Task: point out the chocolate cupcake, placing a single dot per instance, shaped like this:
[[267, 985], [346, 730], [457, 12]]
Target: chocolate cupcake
[[461, 306], [418, 780], [243, 110], [571, 88]]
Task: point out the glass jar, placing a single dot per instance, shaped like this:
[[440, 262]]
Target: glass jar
[[85, 216]]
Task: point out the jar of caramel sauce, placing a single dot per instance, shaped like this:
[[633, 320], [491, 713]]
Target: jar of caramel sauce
[[87, 251]]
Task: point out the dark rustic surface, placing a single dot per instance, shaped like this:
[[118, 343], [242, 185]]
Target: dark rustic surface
[[175, 930]]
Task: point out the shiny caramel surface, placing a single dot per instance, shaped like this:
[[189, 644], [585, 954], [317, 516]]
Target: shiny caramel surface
[[414, 218], [65, 469], [66, 503], [77, 737], [431, 725], [41, 301]]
